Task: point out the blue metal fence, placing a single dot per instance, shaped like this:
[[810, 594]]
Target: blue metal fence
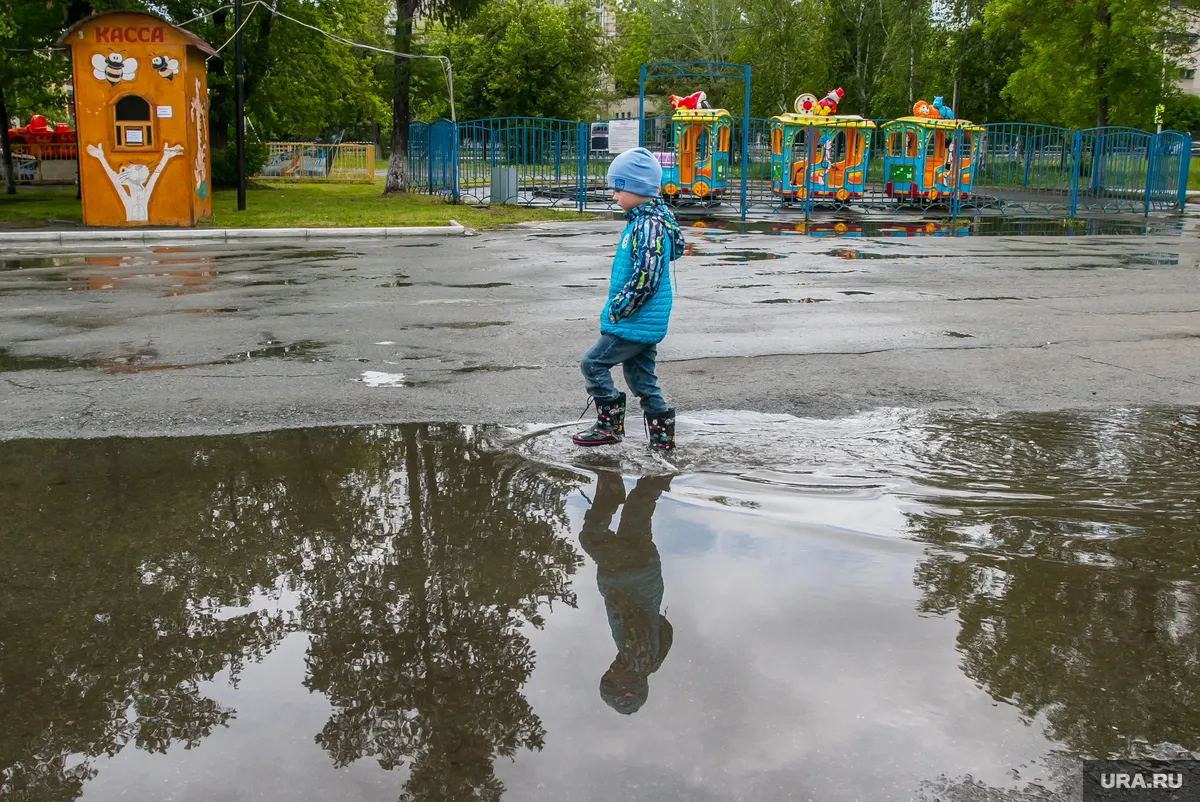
[[1018, 168]]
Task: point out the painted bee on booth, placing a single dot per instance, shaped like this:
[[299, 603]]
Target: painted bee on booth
[[114, 69], [165, 66]]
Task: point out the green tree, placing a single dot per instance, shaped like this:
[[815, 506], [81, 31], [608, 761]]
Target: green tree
[[948, 48], [982, 64], [31, 75], [533, 58], [299, 84], [445, 12], [430, 98], [786, 44], [1183, 113], [888, 53], [905, 67], [1089, 62], [858, 33], [693, 30], [633, 48]]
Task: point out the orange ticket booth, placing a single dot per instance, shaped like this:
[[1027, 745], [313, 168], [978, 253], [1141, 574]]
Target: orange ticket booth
[[141, 112]]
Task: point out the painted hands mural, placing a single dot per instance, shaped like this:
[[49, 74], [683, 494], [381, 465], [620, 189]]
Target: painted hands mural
[[134, 183]]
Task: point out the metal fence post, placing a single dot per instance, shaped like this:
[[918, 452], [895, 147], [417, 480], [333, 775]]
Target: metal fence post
[[429, 153], [556, 142], [454, 156], [641, 103], [1027, 154], [1151, 153], [745, 138], [1185, 165], [809, 152], [583, 145], [1076, 155]]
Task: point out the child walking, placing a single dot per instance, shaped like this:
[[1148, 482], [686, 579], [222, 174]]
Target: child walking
[[635, 318]]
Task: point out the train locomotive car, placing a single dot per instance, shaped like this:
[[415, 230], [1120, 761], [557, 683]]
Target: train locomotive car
[[930, 155], [817, 154], [701, 137]]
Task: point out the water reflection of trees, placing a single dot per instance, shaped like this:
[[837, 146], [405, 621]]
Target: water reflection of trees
[[417, 619], [1080, 605], [416, 557]]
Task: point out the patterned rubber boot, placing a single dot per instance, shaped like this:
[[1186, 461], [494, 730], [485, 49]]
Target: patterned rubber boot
[[609, 427], [661, 428]]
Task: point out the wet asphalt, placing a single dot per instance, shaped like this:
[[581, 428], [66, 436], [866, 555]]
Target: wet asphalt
[[930, 533], [202, 339]]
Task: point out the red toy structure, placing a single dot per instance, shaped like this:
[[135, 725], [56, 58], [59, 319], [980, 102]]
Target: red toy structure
[[42, 152], [696, 100], [38, 132]]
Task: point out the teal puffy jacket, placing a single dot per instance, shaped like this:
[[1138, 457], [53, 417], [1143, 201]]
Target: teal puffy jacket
[[639, 290]]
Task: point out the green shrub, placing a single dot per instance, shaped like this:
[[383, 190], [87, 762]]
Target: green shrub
[[1183, 113], [224, 163]]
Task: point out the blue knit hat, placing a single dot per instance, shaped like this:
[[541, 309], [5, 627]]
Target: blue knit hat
[[636, 171]]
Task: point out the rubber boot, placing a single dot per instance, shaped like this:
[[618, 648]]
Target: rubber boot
[[661, 428], [609, 427]]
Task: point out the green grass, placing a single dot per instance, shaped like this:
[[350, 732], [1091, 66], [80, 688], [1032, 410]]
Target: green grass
[[1194, 173], [277, 205], [40, 205]]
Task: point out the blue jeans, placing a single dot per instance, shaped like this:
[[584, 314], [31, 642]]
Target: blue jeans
[[637, 361]]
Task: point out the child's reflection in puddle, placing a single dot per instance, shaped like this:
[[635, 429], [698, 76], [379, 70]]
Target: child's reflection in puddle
[[629, 574]]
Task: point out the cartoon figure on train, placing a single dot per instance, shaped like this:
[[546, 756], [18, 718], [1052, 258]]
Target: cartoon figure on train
[[817, 154], [930, 155], [697, 168]]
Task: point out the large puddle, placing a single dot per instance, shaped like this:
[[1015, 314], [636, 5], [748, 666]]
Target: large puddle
[[895, 606], [169, 271]]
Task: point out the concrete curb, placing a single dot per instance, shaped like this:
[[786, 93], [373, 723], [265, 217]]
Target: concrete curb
[[453, 229]]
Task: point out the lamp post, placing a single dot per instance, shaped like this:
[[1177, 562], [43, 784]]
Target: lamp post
[[240, 104]]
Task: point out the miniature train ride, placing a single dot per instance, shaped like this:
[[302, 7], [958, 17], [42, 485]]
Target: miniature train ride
[[930, 155], [817, 154], [699, 168]]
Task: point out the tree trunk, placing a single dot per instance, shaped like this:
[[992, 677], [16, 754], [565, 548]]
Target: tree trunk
[[397, 174], [10, 178], [1105, 20]]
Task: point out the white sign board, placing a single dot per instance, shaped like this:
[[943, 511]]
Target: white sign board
[[133, 136], [164, 111], [622, 135]]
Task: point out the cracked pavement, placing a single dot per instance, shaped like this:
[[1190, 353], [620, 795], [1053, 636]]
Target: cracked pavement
[[107, 339]]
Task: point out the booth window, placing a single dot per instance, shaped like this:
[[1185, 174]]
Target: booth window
[[135, 128]]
